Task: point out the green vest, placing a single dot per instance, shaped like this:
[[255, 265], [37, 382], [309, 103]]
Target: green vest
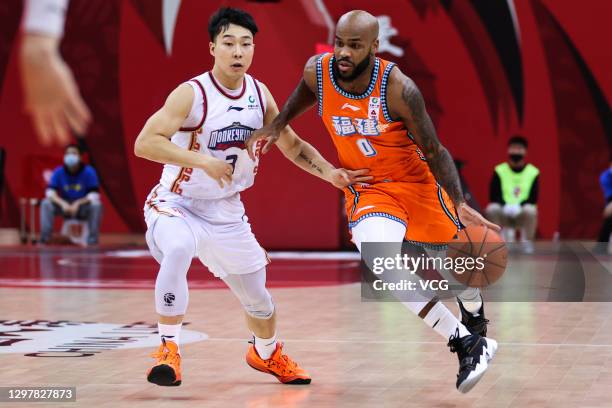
[[516, 186]]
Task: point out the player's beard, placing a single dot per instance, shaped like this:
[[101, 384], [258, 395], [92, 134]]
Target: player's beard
[[358, 70]]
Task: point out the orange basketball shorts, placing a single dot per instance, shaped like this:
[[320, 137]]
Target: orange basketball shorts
[[425, 209]]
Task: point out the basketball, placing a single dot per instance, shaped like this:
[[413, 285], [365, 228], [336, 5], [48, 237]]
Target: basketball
[[480, 256]]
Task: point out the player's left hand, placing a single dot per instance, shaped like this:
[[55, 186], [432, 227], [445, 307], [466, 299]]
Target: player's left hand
[[469, 216], [342, 178]]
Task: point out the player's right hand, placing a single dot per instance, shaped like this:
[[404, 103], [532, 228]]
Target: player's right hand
[[267, 132], [469, 216], [218, 169]]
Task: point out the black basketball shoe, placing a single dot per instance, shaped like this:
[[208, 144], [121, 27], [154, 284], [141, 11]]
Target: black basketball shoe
[[474, 353], [475, 323]]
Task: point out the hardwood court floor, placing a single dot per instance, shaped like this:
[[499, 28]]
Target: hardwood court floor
[[359, 354]]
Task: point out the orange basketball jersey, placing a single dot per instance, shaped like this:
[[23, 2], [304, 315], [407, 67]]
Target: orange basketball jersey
[[362, 130], [366, 137]]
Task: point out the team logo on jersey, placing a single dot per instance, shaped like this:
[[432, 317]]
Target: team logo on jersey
[[252, 105], [230, 136], [374, 108], [345, 126], [236, 108]]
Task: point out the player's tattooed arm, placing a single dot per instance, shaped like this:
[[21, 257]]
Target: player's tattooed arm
[[406, 102], [306, 156], [303, 97]]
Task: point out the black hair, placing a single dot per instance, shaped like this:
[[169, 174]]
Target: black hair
[[518, 140], [225, 16], [76, 146]]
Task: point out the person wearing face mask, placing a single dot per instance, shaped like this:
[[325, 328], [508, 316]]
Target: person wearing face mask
[[73, 192], [514, 194]]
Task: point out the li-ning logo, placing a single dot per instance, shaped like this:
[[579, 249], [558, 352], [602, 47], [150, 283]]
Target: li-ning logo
[[169, 299], [349, 106], [236, 108], [231, 136]]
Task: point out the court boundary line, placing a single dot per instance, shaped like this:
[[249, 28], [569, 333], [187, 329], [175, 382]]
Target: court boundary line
[[412, 342]]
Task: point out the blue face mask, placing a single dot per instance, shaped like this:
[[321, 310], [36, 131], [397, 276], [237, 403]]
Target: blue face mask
[[71, 160]]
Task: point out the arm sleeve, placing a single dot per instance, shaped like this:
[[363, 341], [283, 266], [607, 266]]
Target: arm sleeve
[[495, 191], [534, 192], [45, 17]]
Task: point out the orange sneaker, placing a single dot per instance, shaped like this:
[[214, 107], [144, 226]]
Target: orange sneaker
[[279, 365], [167, 371]]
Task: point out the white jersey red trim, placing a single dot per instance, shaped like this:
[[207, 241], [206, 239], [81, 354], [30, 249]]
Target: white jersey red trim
[[217, 125]]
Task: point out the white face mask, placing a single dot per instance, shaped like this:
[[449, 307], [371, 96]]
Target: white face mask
[[71, 159]]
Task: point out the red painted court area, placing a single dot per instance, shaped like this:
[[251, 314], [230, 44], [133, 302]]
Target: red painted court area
[[120, 268]]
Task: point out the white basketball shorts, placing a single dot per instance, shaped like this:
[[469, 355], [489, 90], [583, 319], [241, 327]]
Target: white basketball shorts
[[224, 241]]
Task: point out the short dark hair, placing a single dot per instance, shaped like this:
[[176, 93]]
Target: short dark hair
[[225, 16], [518, 140], [76, 146]]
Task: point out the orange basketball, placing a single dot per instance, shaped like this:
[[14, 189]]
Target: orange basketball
[[480, 256]]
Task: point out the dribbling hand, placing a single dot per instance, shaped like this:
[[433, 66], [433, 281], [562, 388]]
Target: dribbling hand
[[470, 216]]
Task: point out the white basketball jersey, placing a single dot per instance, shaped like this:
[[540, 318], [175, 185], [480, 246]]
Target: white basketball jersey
[[218, 125]]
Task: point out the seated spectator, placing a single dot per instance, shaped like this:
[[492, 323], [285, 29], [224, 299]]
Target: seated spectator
[[73, 192], [605, 180], [513, 194]]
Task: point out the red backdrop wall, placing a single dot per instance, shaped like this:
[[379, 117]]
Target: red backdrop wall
[[555, 90]]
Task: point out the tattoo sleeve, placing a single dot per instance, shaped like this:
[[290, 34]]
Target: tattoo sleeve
[[439, 159]]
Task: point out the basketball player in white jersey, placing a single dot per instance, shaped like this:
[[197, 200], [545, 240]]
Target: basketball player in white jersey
[[195, 210]]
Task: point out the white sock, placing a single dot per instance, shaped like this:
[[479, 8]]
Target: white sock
[[444, 322], [265, 347], [471, 299], [170, 332]]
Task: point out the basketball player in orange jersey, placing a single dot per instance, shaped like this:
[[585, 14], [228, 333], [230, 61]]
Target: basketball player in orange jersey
[[195, 210], [377, 120]]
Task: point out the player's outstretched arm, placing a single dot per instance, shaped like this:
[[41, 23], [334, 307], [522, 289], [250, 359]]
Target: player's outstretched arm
[[153, 143], [305, 156], [303, 97], [406, 103]]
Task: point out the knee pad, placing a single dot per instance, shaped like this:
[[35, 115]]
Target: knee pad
[[261, 308]]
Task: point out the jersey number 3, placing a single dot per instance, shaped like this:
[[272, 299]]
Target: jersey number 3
[[232, 158]]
